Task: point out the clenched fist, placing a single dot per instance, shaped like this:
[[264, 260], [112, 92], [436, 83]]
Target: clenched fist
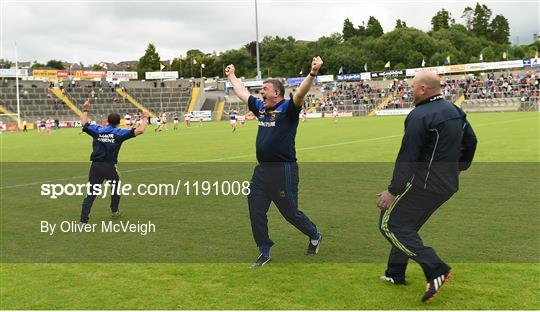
[[86, 105], [230, 70], [316, 64]]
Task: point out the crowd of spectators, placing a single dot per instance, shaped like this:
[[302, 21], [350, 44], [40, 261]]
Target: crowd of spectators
[[523, 85]]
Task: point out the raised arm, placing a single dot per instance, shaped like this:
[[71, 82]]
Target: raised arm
[[239, 89], [86, 111], [144, 122], [306, 84]]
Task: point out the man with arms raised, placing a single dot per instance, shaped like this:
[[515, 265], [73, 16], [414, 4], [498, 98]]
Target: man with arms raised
[[275, 179], [106, 144]]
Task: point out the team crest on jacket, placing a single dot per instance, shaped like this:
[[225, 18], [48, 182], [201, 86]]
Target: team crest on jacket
[[272, 114]]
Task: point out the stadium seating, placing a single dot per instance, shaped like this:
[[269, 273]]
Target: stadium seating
[[38, 102], [104, 101], [162, 100], [491, 92], [492, 105]]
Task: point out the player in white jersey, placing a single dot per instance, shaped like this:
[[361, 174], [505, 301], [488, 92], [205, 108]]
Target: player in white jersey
[[201, 119], [175, 120], [303, 114], [48, 125], [187, 119], [127, 120], [335, 113], [1, 127], [158, 124], [41, 126], [164, 122], [138, 119], [241, 119]]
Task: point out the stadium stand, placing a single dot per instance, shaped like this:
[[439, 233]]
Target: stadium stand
[[104, 101], [162, 100], [502, 91], [38, 101]]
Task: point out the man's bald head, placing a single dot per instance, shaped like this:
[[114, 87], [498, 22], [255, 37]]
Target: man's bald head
[[424, 85]]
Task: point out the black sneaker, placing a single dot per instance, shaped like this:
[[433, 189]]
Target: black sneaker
[[434, 286], [313, 249], [262, 260], [393, 280]]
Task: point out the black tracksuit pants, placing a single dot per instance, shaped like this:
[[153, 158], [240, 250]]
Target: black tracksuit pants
[[99, 172], [400, 224], [278, 183]]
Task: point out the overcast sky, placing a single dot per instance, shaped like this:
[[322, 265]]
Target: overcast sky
[[113, 31]]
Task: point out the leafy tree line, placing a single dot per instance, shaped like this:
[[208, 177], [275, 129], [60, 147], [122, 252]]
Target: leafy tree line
[[357, 48], [367, 46]]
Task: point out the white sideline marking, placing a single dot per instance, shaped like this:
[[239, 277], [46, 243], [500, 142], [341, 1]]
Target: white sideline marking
[[247, 155], [201, 161]]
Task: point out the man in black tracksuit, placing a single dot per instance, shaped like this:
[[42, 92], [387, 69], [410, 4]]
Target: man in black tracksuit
[[438, 143], [106, 144]]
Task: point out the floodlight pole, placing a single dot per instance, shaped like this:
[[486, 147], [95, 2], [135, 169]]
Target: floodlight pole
[[257, 42], [17, 88]]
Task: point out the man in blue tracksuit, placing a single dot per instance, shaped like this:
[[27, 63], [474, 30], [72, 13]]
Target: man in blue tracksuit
[[275, 179], [438, 143], [106, 144]]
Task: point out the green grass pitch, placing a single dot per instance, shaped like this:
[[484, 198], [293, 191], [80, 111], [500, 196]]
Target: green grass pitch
[[200, 255]]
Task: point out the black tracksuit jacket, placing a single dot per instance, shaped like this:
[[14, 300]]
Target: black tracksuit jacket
[[438, 143]]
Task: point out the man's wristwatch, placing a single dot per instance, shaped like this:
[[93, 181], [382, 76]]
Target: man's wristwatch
[[312, 74]]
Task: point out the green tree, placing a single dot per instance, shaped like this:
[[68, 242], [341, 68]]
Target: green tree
[[480, 20], [55, 64], [400, 24], [367, 43], [252, 48], [489, 54], [176, 65], [195, 53], [518, 52], [97, 67], [461, 39], [38, 65], [150, 61], [374, 28], [349, 30], [5, 63], [244, 63], [499, 30], [442, 20], [532, 49], [401, 46], [468, 15]]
